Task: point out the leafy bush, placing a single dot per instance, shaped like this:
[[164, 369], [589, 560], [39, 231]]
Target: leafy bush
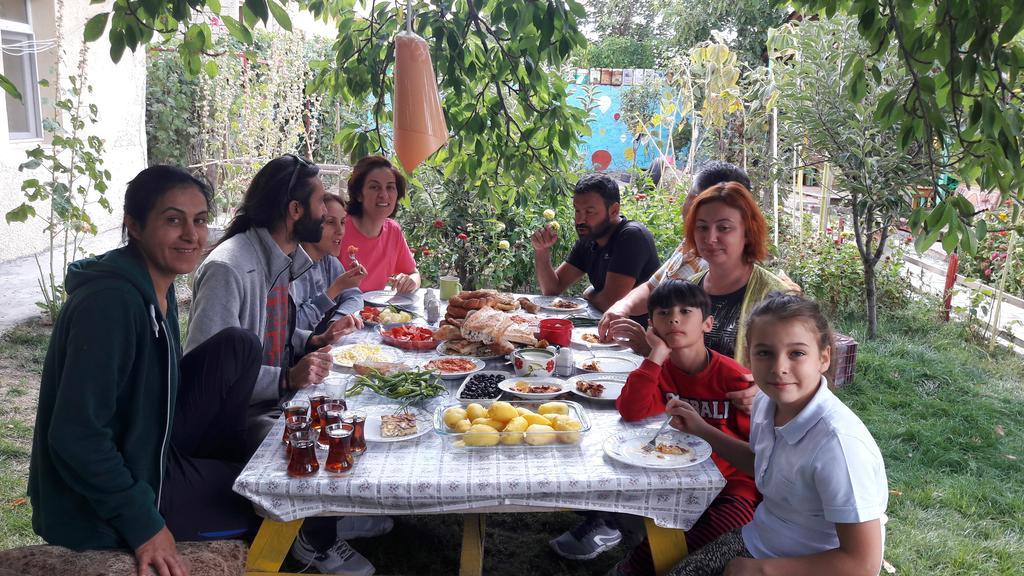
[[993, 252], [829, 270]]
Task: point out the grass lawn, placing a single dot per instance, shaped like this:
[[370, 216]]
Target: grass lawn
[[948, 417]]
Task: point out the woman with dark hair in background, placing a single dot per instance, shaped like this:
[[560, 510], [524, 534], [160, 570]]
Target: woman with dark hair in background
[[136, 445], [374, 189]]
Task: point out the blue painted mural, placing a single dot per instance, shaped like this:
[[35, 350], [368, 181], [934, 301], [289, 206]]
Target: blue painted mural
[[611, 145]]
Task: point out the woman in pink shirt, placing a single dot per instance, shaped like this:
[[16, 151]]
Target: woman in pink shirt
[[374, 189]]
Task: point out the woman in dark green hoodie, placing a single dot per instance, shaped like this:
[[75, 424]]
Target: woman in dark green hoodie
[[136, 446]]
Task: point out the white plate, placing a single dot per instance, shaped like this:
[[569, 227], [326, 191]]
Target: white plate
[[508, 386], [477, 363], [613, 384], [458, 393], [626, 446], [387, 296], [546, 301], [577, 339], [371, 430], [609, 361], [379, 353]]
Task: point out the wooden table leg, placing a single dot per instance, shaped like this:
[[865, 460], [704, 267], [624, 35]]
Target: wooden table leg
[[471, 561], [270, 547], [668, 546]]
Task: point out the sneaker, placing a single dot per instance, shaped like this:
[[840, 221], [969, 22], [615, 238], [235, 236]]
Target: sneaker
[[587, 540], [352, 527], [340, 558]]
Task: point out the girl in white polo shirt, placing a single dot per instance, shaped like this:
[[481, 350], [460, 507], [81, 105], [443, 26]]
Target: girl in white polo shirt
[[816, 465]]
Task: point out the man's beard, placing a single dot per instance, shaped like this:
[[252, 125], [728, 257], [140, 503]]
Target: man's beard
[[587, 233], [308, 229]]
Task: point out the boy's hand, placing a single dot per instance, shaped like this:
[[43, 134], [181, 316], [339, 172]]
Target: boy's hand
[[685, 417], [659, 350], [743, 400]]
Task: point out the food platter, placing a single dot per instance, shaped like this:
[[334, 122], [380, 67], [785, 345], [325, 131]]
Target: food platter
[[563, 304], [408, 336], [385, 315], [613, 385], [371, 429], [517, 386], [580, 339], [626, 447], [347, 355], [434, 363], [482, 352], [608, 361], [387, 296]]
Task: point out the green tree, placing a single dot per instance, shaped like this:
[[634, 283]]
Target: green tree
[[964, 97], [875, 174], [498, 67], [619, 52], [744, 22]]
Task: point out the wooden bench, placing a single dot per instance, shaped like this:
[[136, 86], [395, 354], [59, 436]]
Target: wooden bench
[[215, 558]]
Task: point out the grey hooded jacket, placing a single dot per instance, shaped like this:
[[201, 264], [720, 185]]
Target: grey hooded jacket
[[231, 289]]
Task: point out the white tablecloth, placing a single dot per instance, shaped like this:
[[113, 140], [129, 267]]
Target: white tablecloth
[[430, 475]]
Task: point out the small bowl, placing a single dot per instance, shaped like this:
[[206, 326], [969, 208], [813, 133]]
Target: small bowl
[[533, 362]]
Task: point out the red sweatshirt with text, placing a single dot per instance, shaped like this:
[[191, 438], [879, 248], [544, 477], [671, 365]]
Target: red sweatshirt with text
[[645, 395]]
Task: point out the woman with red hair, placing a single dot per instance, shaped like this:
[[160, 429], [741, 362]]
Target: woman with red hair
[[724, 227]]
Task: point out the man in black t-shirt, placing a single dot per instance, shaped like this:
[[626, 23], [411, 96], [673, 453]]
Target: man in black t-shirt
[[615, 253]]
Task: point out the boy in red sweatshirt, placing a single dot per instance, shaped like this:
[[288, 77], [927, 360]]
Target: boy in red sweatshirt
[[681, 365]]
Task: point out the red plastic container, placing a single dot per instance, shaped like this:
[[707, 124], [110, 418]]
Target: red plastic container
[[557, 331]]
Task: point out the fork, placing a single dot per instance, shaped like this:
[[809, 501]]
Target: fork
[[653, 443]]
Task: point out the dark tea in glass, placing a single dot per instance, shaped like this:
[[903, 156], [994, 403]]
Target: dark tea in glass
[[339, 441], [302, 461]]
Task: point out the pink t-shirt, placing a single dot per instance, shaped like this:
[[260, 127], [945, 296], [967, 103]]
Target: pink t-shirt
[[383, 256]]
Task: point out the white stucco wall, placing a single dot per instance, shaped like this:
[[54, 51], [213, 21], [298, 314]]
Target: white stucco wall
[[119, 91]]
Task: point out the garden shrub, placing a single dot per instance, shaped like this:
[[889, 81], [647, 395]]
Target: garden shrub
[[828, 268], [992, 255]]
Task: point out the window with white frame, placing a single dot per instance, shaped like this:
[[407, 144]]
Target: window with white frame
[[19, 48]]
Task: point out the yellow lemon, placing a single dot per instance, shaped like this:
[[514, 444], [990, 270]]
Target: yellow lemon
[[539, 435], [553, 408], [513, 432], [453, 415], [568, 430], [481, 435], [474, 411], [461, 426], [502, 411]]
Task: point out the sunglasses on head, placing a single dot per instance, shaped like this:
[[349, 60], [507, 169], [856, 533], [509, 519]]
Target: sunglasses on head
[[299, 161]]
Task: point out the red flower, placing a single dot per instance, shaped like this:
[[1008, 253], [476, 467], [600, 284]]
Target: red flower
[[462, 236], [641, 196], [426, 252], [438, 223], [908, 240], [988, 272]]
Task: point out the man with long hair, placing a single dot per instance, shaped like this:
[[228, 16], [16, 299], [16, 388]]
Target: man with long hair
[[244, 283]]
